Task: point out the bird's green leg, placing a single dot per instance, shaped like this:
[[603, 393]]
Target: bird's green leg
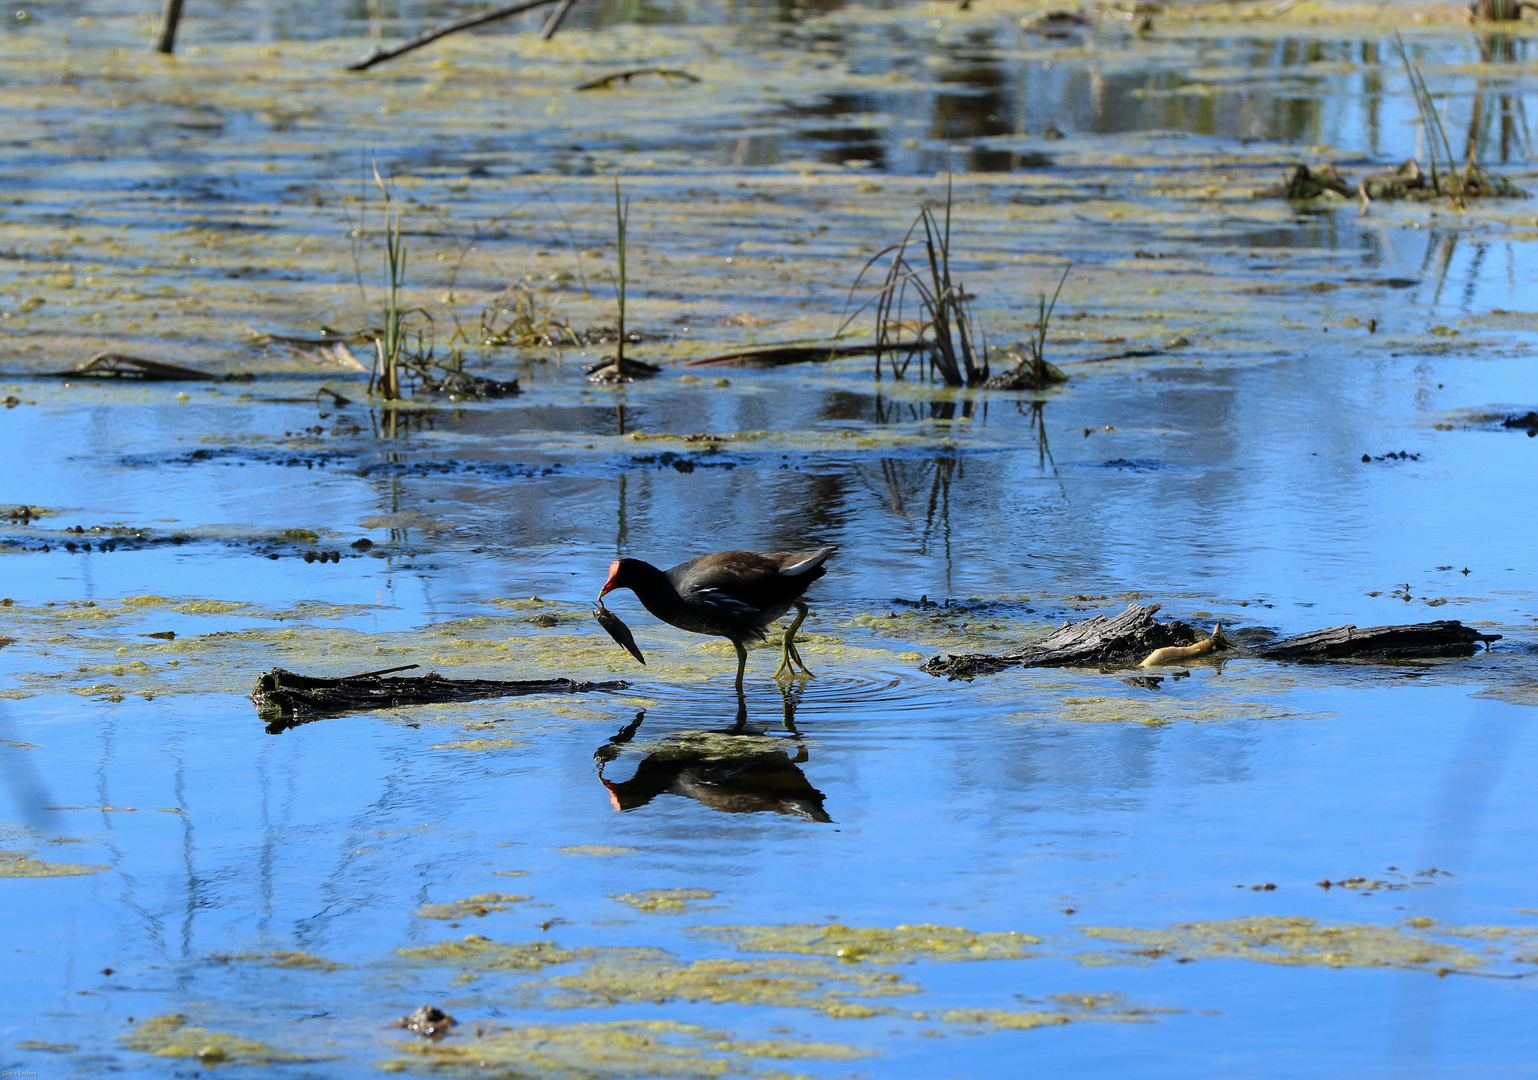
[[788, 654], [742, 662]]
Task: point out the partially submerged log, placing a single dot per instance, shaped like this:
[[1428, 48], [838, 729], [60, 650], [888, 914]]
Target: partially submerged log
[[1124, 639], [286, 698], [791, 353], [111, 365], [1130, 637], [1413, 641]]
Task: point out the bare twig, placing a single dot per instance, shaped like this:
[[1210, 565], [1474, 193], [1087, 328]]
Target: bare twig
[[1431, 124], [381, 671], [170, 18], [427, 37], [557, 16], [607, 82]]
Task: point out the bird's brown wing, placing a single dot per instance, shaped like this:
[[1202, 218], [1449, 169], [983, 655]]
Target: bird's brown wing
[[759, 578]]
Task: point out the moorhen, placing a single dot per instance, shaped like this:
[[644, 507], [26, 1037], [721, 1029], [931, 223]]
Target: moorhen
[[730, 594]]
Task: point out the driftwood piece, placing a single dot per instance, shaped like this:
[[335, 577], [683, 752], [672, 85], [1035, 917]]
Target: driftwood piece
[[111, 365], [285, 698], [1128, 638], [796, 354], [1414, 641], [1125, 639], [427, 37]]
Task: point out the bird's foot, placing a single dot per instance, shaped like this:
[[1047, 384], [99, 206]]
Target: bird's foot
[[788, 657]]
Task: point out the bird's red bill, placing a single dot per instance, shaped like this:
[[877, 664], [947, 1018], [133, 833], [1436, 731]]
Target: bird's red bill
[[613, 579]]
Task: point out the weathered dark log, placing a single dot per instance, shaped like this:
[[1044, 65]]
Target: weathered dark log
[[1125, 639], [285, 698], [778, 355], [1129, 637], [111, 365], [1415, 641]]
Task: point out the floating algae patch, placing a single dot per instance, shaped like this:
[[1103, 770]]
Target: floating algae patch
[[1516, 935], [1157, 713], [211, 607], [295, 959], [1293, 940], [619, 976], [477, 906], [604, 1051], [479, 744], [784, 1049], [478, 954], [1071, 1008], [19, 864], [596, 849], [879, 945], [672, 901], [721, 745], [952, 628], [171, 1036], [47, 1047]]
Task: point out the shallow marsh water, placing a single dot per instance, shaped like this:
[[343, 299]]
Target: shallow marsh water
[[673, 899]]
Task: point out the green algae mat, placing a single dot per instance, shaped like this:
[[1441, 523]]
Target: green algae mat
[[1287, 406]]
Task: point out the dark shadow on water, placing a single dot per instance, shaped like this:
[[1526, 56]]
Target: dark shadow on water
[[736, 770]]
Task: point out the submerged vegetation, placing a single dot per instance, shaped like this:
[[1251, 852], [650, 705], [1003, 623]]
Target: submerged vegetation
[[880, 945], [20, 864], [616, 1050], [174, 1036], [1297, 941], [1204, 454]]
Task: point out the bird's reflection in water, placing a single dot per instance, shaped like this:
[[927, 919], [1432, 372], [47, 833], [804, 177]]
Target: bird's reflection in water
[[737, 770]]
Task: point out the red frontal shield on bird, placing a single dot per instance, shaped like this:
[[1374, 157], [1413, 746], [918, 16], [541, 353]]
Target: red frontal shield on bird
[[613, 581]]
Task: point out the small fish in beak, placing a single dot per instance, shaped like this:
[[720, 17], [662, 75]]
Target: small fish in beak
[[617, 629]]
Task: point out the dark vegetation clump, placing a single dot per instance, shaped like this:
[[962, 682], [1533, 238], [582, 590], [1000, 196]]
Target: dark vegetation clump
[[1409, 182], [462, 386]]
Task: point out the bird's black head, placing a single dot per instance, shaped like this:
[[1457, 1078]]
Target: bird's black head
[[623, 574]]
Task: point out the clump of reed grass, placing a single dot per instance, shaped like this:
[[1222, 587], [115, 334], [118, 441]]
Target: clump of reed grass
[[517, 316], [1431, 124], [395, 355], [1044, 372], [620, 369], [944, 331], [1032, 371]]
